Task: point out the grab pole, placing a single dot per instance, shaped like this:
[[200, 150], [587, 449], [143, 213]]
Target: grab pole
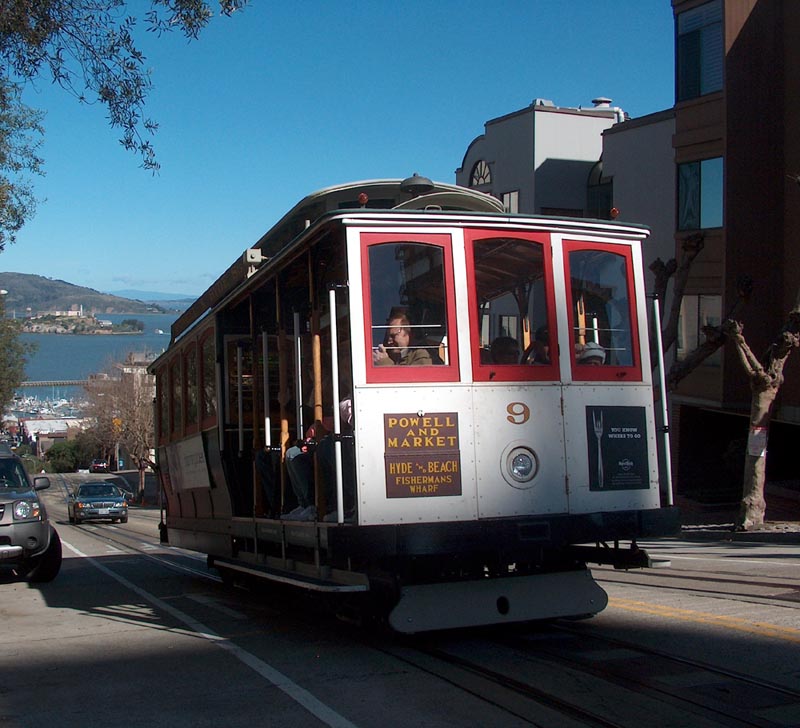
[[664, 409]]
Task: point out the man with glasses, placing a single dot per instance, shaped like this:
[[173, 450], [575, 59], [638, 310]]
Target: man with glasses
[[398, 350]]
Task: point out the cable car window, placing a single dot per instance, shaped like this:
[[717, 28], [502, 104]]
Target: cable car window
[[191, 385], [176, 388], [601, 312], [162, 393], [512, 294], [239, 372], [409, 309], [209, 380]]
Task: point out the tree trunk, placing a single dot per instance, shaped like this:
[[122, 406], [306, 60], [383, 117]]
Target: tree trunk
[[754, 506], [141, 481], [765, 382]]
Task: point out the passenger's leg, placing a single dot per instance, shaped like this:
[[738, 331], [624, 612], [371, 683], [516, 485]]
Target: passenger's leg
[[300, 467]]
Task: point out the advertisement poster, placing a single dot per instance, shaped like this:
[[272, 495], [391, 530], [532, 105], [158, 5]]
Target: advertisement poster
[[421, 455], [617, 438], [187, 460]]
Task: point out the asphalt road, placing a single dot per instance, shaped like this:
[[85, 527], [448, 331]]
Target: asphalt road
[[136, 633]]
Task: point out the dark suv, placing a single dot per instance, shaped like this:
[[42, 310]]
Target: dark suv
[[28, 543]]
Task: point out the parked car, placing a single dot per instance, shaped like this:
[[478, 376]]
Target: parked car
[[97, 501], [28, 542], [98, 466]]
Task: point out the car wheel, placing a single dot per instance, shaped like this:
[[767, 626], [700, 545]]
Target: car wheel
[[70, 517], [47, 566], [123, 520], [76, 520]]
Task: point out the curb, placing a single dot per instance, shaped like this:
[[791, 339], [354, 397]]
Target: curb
[[783, 533]]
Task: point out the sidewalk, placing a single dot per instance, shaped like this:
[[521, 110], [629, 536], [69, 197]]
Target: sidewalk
[[704, 522]]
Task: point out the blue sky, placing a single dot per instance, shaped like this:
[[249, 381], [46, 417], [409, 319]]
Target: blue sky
[[286, 98]]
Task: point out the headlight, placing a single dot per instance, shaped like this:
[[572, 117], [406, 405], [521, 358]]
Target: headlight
[[26, 510], [522, 466]]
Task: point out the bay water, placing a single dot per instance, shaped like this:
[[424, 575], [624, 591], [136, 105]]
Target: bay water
[[74, 357]]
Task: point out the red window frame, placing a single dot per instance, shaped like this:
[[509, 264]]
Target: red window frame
[[485, 372], [606, 372], [398, 374]]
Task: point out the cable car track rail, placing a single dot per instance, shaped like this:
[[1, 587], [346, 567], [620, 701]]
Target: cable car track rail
[[612, 691]]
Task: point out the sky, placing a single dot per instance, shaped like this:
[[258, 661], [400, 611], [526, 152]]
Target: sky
[[283, 99]]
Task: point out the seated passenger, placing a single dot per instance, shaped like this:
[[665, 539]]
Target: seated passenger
[[541, 346], [397, 349], [300, 468], [268, 466], [590, 354], [327, 459], [505, 350]]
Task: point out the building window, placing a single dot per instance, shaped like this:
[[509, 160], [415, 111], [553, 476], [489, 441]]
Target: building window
[[700, 194], [699, 51], [511, 201], [562, 212], [599, 194], [697, 312], [481, 174]]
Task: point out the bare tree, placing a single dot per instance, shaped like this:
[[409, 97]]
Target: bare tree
[[765, 380], [122, 406], [137, 433]]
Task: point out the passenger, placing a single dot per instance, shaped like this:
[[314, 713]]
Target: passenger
[[590, 354], [397, 349], [327, 457], [541, 346], [505, 350], [300, 468]]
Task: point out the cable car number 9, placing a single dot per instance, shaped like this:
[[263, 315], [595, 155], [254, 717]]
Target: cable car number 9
[[518, 413]]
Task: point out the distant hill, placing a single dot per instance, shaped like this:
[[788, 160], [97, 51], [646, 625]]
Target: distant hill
[[40, 294], [150, 296], [166, 300]]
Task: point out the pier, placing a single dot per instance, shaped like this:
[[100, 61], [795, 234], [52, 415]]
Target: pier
[[57, 383]]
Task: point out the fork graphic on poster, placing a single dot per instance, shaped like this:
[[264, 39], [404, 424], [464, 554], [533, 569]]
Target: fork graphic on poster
[[597, 421]]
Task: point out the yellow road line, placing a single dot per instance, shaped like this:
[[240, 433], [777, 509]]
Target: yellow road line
[[688, 615]]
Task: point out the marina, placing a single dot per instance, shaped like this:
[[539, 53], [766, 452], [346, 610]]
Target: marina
[[57, 372]]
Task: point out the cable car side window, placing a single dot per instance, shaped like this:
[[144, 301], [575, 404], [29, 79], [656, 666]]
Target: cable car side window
[[604, 343], [191, 369], [409, 308], [511, 305], [162, 395], [176, 389], [208, 375]]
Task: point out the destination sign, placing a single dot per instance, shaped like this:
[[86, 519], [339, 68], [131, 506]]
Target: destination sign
[[422, 455]]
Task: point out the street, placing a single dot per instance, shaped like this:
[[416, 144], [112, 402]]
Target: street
[[138, 632]]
